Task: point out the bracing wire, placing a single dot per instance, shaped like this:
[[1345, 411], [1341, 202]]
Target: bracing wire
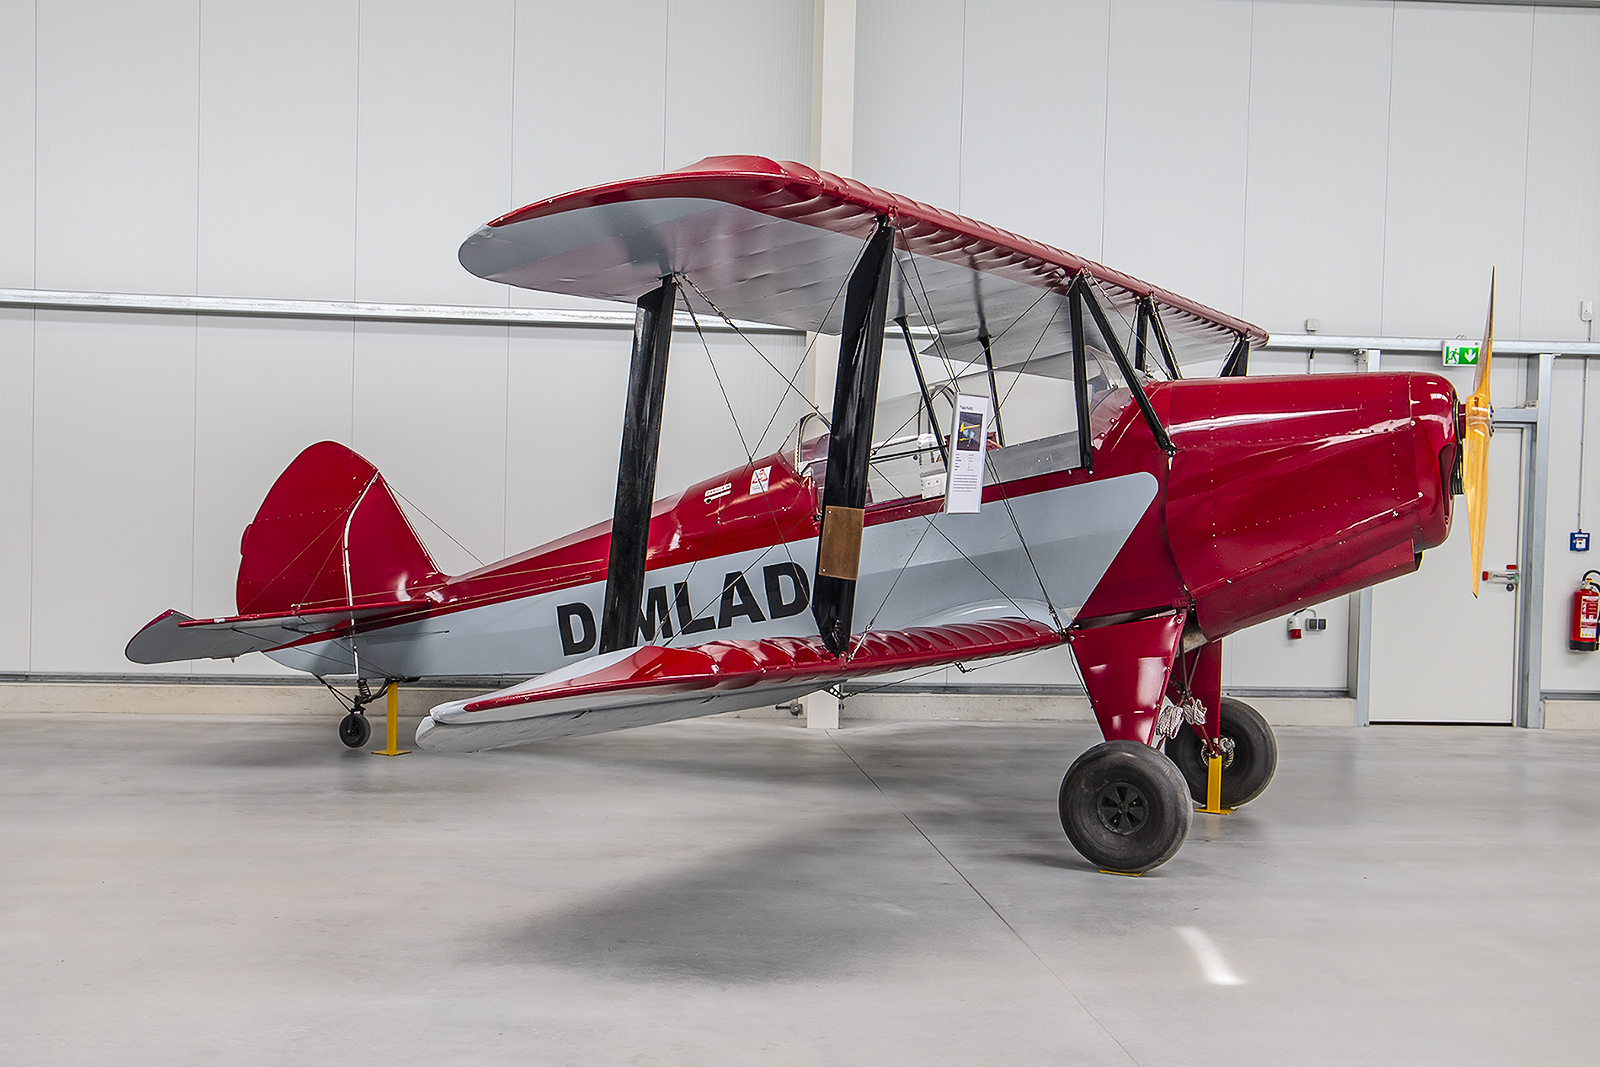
[[432, 522], [750, 457], [790, 379], [789, 386], [995, 661], [924, 305], [926, 299]]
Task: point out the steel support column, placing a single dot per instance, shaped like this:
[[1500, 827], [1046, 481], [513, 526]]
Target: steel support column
[[1359, 665], [1358, 676], [1530, 606], [636, 470]]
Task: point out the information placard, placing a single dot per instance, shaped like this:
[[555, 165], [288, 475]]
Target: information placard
[[964, 491]]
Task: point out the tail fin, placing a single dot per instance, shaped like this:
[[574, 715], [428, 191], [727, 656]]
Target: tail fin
[[330, 534]]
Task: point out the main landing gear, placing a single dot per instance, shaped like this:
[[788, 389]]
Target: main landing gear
[[1127, 807], [1249, 755]]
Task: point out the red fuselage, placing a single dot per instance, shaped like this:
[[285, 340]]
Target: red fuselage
[[1284, 492]]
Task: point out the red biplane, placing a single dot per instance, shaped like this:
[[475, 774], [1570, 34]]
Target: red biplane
[[1111, 503]]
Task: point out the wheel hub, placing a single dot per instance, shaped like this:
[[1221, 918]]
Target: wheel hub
[[1122, 808], [1226, 746]]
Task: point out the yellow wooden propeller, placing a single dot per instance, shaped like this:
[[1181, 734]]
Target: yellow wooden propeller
[[1475, 462]]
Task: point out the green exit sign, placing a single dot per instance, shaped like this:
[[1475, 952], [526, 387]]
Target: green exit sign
[[1460, 355]]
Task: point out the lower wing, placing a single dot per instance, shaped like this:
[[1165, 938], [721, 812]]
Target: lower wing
[[655, 683]]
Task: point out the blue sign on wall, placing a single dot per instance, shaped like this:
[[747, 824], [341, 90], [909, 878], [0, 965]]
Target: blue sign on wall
[[1580, 542]]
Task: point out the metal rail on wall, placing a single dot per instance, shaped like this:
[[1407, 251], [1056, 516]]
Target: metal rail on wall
[[1297, 342], [353, 310]]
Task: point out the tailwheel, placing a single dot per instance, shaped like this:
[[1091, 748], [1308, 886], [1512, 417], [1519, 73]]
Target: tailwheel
[[1249, 755], [1125, 807], [354, 729]]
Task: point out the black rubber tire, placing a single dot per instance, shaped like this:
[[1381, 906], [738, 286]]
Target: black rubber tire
[[354, 729], [1255, 755], [1125, 807]]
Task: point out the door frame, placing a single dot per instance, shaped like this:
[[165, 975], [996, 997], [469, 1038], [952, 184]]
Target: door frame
[[1533, 419]]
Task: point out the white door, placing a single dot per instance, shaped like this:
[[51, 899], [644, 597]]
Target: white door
[[1438, 655]]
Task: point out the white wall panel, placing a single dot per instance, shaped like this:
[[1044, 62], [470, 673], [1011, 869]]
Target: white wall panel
[[430, 413], [1319, 90], [1265, 657], [1458, 140], [434, 159], [590, 95], [738, 79], [589, 104], [16, 486], [1177, 129], [16, 144], [908, 98], [264, 390], [330, 151], [699, 435], [118, 107], [278, 149], [569, 388], [564, 399], [1561, 227], [113, 483], [1034, 119]]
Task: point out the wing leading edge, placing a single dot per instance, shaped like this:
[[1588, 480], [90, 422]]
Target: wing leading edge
[[637, 687]]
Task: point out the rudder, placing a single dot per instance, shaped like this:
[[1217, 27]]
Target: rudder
[[330, 534]]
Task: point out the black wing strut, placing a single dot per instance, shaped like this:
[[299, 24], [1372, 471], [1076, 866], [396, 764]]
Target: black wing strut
[[636, 472], [855, 400]]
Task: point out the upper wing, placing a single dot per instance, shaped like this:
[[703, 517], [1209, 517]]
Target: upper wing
[[773, 242], [173, 636], [637, 687]]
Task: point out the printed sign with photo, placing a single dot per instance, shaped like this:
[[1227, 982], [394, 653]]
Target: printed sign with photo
[[964, 489]]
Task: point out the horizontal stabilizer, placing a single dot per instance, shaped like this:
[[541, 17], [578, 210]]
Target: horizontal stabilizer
[[637, 687], [173, 636]]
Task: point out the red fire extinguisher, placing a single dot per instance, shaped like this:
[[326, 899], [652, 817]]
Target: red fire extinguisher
[[1585, 635]]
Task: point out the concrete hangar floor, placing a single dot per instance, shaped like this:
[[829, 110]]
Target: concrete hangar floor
[[244, 890]]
